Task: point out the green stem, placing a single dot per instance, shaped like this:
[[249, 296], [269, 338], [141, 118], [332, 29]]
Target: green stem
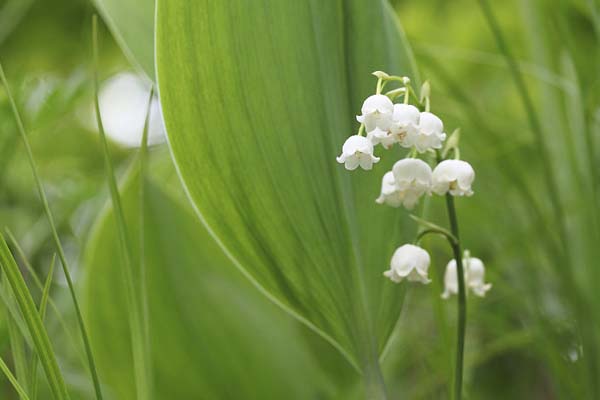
[[59, 248], [141, 365], [462, 299], [374, 384]]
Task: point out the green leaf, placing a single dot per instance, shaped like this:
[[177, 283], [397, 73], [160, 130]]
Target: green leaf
[[258, 98], [213, 336], [132, 24]]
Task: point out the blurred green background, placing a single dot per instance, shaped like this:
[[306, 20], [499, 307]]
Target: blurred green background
[[533, 337]]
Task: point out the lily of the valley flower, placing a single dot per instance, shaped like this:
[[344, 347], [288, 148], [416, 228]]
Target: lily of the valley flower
[[357, 150], [390, 194], [378, 136], [405, 122], [454, 177], [412, 179], [377, 111], [409, 262], [474, 271], [402, 129], [476, 276], [430, 133]]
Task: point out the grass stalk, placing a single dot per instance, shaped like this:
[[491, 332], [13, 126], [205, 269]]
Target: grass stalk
[[43, 307], [140, 362], [17, 347], [38, 283], [532, 117], [142, 214], [34, 322], [13, 380], [59, 248]]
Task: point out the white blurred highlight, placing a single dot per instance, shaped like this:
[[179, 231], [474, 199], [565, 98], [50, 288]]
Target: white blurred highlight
[[123, 106]]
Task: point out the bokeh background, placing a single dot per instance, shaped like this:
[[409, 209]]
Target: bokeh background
[[534, 218]]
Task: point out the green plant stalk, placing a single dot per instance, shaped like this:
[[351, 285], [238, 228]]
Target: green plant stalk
[[142, 206], [43, 307], [14, 382], [59, 248], [141, 365], [532, 116], [374, 384], [38, 283], [18, 352], [462, 299], [34, 322]]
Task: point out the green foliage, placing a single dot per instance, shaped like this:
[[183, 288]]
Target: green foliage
[[212, 335], [132, 24], [255, 116]]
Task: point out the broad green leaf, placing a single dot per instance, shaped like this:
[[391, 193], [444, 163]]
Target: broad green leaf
[[132, 24], [212, 335], [258, 98]]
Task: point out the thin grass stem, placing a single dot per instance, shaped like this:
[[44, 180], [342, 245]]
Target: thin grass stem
[[43, 307], [140, 363], [30, 313], [13, 381], [59, 248]]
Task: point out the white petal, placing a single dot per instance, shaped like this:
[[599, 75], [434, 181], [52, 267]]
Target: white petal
[[352, 162], [377, 103]]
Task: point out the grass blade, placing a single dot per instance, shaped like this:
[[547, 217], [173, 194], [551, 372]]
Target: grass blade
[[532, 115], [14, 382], [38, 283], [34, 322], [18, 351], [43, 306], [59, 248], [142, 205], [140, 363]]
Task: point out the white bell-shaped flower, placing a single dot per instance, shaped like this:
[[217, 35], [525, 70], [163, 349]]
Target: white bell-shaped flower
[[357, 150], [405, 124], [378, 136], [430, 133], [412, 179], [450, 280], [377, 111], [476, 276], [453, 176], [409, 262], [390, 194], [474, 271]]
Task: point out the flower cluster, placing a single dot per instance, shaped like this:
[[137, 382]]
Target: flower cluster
[[386, 123]]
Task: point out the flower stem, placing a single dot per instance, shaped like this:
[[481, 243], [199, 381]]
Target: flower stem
[[462, 299]]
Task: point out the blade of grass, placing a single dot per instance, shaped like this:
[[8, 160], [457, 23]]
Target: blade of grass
[[142, 206], [140, 363], [43, 306], [14, 382], [34, 322], [532, 117], [13, 312], [18, 351], [59, 248], [36, 280]]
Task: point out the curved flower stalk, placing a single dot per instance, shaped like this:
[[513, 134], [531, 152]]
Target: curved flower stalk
[[415, 127]]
